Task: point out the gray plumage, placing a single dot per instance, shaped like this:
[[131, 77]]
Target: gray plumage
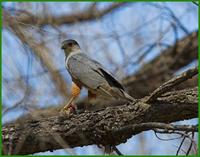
[[93, 75]]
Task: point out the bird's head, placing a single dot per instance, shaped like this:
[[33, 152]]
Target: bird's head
[[70, 46]]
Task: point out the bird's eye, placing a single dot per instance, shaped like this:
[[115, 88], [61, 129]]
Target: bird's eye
[[70, 44]]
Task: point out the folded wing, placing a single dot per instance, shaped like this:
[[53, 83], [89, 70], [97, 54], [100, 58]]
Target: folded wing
[[92, 74]]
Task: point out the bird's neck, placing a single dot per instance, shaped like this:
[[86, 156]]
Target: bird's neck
[[74, 52], [67, 57]]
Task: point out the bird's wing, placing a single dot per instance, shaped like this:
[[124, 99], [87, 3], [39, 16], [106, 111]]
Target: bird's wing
[[90, 72]]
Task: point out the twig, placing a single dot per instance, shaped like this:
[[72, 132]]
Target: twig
[[117, 150], [173, 16], [179, 148], [172, 83], [188, 151], [167, 128], [194, 2], [164, 139]]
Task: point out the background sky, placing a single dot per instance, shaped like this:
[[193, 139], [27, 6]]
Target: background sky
[[137, 24]]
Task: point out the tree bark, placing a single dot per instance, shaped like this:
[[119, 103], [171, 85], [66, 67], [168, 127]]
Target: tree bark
[[101, 127]]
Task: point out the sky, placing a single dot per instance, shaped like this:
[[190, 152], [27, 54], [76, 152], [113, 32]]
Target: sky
[[136, 24]]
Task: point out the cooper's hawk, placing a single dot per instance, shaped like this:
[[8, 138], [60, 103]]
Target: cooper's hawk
[[90, 74]]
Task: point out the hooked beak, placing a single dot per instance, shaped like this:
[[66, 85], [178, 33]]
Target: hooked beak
[[63, 47]]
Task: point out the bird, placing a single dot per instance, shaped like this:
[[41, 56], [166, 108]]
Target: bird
[[88, 73]]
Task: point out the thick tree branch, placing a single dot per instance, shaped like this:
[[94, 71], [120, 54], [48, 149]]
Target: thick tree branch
[[37, 135]]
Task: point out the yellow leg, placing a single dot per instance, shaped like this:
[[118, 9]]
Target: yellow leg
[[75, 93]]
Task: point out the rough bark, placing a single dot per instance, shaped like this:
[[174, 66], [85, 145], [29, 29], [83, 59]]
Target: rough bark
[[172, 83], [101, 127]]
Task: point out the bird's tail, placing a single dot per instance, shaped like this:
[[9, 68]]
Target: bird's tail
[[117, 93], [121, 94], [128, 97]]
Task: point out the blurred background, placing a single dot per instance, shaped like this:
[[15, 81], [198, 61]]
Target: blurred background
[[132, 40]]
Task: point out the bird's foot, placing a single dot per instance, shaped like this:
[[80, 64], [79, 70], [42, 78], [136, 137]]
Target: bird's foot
[[68, 109]]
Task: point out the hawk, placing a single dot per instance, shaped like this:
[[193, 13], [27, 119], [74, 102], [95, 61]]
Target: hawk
[[86, 72]]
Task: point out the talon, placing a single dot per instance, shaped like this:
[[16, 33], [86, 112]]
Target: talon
[[72, 108], [68, 109]]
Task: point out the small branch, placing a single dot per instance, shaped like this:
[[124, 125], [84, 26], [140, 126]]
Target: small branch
[[168, 128], [190, 147], [117, 150], [196, 3], [172, 83], [179, 148], [164, 139]]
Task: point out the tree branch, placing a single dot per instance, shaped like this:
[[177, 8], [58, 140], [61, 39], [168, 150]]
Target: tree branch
[[172, 83], [37, 134], [155, 125]]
